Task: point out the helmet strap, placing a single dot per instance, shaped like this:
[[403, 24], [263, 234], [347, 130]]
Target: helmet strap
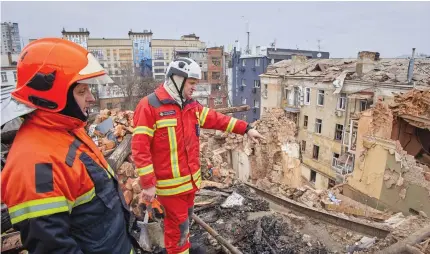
[[179, 90]]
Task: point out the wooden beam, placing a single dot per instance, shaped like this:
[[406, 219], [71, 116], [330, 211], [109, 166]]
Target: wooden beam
[[116, 159], [233, 109]]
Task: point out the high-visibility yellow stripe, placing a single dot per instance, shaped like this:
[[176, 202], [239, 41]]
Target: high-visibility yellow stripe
[[187, 251], [166, 123], [173, 152], [143, 130], [197, 174], [145, 170], [174, 181], [112, 173], [85, 198], [203, 116], [177, 181], [39, 207], [198, 182], [174, 191], [231, 124]]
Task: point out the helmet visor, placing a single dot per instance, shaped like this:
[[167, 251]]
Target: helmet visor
[[100, 80]]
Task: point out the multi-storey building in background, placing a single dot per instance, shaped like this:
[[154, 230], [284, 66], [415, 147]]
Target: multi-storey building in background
[[142, 53], [10, 39], [163, 52], [246, 70]]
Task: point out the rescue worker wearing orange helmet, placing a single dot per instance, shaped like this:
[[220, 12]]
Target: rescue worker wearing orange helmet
[[165, 148], [61, 193]]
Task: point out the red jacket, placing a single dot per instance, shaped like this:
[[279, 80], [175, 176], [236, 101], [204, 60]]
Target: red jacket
[[165, 144]]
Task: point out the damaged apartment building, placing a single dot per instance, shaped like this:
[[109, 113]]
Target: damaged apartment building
[[330, 100]]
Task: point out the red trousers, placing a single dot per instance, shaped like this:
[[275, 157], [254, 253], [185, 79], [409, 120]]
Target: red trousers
[[178, 211]]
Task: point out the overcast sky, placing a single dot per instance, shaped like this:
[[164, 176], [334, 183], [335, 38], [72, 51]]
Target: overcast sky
[[344, 28]]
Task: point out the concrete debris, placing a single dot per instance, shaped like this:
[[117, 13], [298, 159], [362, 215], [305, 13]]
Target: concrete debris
[[233, 200], [403, 228], [376, 70], [269, 233], [414, 102]]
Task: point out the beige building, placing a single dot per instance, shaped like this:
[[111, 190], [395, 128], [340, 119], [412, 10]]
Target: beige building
[[163, 52], [393, 142], [326, 97]]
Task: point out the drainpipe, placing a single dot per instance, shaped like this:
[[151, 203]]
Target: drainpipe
[[411, 67]]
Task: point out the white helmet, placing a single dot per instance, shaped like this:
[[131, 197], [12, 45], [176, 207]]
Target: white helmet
[[185, 68]]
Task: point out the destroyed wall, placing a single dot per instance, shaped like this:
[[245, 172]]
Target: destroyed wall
[[271, 93], [383, 169], [276, 158]]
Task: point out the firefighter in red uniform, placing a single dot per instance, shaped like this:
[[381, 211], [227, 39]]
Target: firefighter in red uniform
[[61, 193], [165, 147]]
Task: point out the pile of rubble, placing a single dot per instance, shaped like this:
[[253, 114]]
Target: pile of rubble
[[245, 220], [109, 129], [276, 157], [128, 179]]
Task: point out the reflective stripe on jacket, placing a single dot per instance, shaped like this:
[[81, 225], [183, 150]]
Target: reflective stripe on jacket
[[62, 195], [165, 144]]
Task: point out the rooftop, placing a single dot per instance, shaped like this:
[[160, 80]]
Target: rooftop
[[384, 70]]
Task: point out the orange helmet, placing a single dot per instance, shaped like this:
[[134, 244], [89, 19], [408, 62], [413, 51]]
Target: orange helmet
[[48, 67]]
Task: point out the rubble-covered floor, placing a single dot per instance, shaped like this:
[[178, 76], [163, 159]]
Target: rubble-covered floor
[[252, 227], [258, 226]]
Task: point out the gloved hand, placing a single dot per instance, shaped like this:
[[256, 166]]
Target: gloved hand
[[154, 208], [147, 195]]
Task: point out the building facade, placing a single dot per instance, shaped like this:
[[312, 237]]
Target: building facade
[[79, 37], [216, 76], [246, 71], [10, 40], [163, 52], [326, 98], [142, 53]]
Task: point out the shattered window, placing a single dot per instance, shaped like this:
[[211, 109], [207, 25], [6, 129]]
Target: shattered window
[[335, 158], [341, 102], [303, 145], [256, 104], [338, 132], [307, 96], [244, 62], [318, 125], [313, 177], [315, 152], [320, 98], [257, 62], [363, 105], [305, 122], [257, 83]]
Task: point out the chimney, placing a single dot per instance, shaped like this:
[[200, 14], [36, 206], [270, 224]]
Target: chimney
[[366, 61], [411, 67], [299, 58]]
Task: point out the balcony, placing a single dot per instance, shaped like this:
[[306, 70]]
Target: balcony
[[343, 165]]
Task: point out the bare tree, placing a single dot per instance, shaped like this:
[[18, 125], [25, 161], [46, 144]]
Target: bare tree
[[133, 86], [128, 83]]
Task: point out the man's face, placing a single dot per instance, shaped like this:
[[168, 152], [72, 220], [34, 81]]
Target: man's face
[[190, 87], [84, 98]]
